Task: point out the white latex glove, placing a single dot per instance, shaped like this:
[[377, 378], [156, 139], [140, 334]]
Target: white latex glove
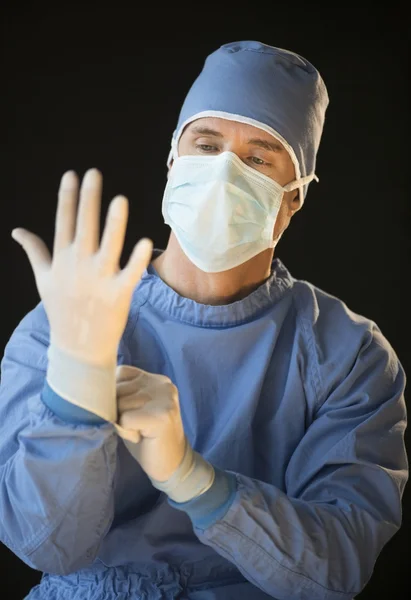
[[86, 296], [149, 408]]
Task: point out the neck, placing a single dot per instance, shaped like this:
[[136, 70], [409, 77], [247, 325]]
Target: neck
[[179, 273]]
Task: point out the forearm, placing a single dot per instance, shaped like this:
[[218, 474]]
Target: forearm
[[56, 491], [284, 546]]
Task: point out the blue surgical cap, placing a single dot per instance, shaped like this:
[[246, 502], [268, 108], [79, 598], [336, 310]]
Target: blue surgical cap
[[270, 88]]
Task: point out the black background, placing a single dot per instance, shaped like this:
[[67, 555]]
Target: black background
[[91, 86]]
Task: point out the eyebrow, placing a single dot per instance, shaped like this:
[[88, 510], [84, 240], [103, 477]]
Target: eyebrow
[[273, 146], [206, 131], [261, 143]]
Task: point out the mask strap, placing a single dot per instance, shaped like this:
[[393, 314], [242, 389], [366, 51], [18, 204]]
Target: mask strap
[[299, 182], [173, 154]]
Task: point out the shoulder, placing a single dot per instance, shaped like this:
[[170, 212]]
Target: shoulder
[[327, 314], [342, 344]]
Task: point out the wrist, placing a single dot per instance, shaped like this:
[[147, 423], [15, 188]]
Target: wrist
[[193, 477], [88, 386]]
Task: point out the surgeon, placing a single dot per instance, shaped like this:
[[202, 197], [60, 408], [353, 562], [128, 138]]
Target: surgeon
[[200, 424]]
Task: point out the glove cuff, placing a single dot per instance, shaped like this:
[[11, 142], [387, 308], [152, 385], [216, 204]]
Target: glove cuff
[[192, 478], [87, 386]]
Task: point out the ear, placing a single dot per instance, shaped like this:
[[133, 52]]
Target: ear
[[294, 204]]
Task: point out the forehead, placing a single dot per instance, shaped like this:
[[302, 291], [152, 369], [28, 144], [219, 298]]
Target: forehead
[[228, 128]]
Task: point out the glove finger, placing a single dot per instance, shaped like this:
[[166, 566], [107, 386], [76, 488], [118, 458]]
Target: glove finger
[[138, 262], [128, 435], [126, 388], [114, 233], [127, 373], [131, 402], [65, 224], [151, 418], [135, 419], [88, 217], [36, 250]]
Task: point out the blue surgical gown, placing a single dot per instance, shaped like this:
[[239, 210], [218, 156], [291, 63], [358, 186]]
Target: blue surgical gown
[[296, 401]]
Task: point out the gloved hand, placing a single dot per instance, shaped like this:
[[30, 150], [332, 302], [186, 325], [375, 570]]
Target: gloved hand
[[149, 409], [85, 295]]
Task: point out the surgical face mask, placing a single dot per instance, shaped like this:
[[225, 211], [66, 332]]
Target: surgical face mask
[[221, 211]]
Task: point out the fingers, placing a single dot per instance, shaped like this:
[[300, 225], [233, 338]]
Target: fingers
[[129, 386], [131, 419], [113, 235], [88, 216], [129, 437], [80, 226], [65, 225], [36, 250], [132, 402], [138, 262], [126, 373]]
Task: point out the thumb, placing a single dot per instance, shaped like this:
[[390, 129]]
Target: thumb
[[138, 262], [36, 250]]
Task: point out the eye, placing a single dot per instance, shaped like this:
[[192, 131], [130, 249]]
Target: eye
[[206, 148], [259, 162]]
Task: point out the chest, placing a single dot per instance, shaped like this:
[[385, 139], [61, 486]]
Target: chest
[[241, 390]]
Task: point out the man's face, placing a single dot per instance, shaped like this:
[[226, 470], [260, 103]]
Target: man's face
[[255, 147]]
